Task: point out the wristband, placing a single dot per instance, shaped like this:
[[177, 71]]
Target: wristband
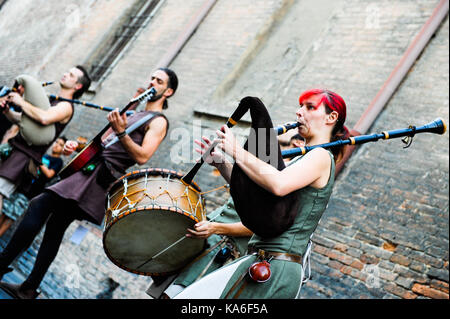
[[122, 134]]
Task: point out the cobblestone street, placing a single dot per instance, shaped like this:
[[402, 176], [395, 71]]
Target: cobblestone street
[[385, 232]]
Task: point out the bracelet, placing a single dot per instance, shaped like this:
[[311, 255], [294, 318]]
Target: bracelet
[[122, 134]]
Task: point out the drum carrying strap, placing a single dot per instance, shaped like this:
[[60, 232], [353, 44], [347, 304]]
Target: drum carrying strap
[[132, 127], [221, 244], [204, 253]]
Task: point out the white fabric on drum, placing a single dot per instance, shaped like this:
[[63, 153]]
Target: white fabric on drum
[[212, 285]]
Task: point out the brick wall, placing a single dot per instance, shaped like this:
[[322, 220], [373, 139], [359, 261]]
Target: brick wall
[[45, 38], [385, 232], [132, 71]]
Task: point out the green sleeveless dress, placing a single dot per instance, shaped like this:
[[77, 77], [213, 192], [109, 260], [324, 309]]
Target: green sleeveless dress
[[206, 264], [285, 278]]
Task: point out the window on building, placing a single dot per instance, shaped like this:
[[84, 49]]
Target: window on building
[[105, 60]]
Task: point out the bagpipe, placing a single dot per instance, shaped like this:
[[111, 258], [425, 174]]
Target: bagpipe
[[6, 90], [33, 132], [264, 213], [437, 126], [95, 147], [88, 104]]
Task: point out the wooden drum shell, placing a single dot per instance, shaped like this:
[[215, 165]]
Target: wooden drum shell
[[147, 216]]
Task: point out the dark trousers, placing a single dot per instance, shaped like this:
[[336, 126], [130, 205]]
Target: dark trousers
[[56, 214]]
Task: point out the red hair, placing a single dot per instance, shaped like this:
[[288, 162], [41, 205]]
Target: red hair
[[330, 99], [332, 102]]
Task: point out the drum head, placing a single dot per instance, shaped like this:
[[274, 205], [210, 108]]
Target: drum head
[[152, 241]]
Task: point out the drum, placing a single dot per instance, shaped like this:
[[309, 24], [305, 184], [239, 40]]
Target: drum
[[148, 213]]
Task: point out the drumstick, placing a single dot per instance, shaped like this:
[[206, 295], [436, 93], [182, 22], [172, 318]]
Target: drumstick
[[170, 246], [162, 251]]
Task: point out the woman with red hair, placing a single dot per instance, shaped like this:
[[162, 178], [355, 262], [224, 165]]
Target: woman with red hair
[[273, 267]]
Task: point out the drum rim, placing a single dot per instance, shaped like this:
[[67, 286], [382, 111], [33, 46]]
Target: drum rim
[[143, 172], [132, 211], [157, 171]]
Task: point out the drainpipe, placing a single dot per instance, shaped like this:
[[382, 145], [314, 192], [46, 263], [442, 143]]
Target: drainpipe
[[189, 30], [398, 74], [128, 44]]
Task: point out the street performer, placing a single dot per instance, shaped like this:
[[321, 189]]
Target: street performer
[[226, 240], [24, 159], [82, 195], [273, 266]]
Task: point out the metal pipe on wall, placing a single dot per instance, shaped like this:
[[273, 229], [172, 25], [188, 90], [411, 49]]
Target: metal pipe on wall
[[191, 27], [396, 77]]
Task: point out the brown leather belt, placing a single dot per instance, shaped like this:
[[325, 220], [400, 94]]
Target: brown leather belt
[[267, 255], [263, 255]]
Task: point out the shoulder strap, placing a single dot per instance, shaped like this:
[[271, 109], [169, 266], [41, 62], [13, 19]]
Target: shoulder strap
[[133, 127]]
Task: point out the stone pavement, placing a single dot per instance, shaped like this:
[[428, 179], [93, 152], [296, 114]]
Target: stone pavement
[[385, 232]]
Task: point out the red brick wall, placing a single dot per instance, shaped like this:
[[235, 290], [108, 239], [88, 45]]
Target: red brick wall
[[385, 232]]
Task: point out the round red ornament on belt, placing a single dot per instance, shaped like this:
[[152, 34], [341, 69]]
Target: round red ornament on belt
[[260, 271]]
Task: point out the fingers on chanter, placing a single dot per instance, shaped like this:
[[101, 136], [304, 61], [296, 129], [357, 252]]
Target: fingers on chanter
[[224, 129], [204, 145], [207, 141], [220, 133], [199, 143]]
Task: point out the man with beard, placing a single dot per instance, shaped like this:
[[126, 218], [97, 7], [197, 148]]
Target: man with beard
[[82, 195], [23, 156]]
